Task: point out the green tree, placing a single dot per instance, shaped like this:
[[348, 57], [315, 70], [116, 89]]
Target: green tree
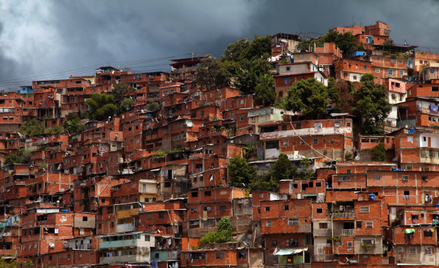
[[249, 150], [212, 74], [12, 159], [120, 91], [345, 41], [56, 130], [247, 73], [73, 124], [246, 49], [24, 155], [101, 106], [264, 182], [258, 48], [379, 152], [308, 44], [371, 106], [224, 232], [305, 162], [240, 172], [264, 89], [32, 129], [308, 97], [13, 262], [341, 93], [152, 106], [235, 51], [283, 169], [126, 105]]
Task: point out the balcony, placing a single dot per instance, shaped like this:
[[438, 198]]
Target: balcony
[[339, 214], [124, 259], [323, 232], [118, 243], [304, 132], [82, 247], [344, 232], [123, 228]]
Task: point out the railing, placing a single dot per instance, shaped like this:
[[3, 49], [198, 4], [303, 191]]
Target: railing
[[350, 214], [84, 246], [348, 232], [323, 232], [118, 243]]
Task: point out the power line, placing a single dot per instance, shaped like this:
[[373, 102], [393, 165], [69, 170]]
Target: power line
[[88, 70]]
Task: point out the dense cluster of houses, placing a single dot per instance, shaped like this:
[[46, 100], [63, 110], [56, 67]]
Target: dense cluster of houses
[[141, 189]]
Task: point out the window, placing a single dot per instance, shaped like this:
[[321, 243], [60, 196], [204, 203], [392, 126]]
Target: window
[[344, 178], [428, 251], [412, 250], [267, 209], [268, 224], [401, 72], [359, 224], [369, 224], [293, 221], [241, 255], [161, 215], [274, 243], [294, 185], [287, 68], [432, 71], [377, 70], [392, 61], [220, 255], [406, 192], [323, 225], [365, 67], [147, 238], [319, 210], [318, 184], [193, 209], [315, 141], [368, 241], [405, 177], [222, 208], [390, 72], [286, 207], [364, 209], [428, 233], [167, 184], [377, 177], [434, 88], [85, 218], [331, 142], [207, 193]]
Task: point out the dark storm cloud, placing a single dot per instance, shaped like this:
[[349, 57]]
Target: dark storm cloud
[[47, 37]]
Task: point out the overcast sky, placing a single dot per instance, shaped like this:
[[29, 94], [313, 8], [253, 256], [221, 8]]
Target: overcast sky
[[55, 39]]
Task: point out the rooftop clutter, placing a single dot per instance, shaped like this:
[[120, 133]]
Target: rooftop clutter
[[285, 152]]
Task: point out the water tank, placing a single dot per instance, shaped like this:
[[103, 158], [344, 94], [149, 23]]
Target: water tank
[[372, 197]]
